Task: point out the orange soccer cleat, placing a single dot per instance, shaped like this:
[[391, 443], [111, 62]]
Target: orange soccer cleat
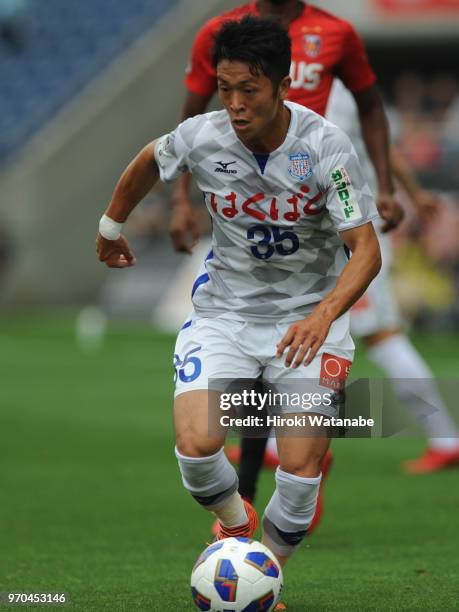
[[326, 465], [280, 607], [433, 460], [243, 531]]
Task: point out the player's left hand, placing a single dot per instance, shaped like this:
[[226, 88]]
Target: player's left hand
[[390, 210], [182, 225], [115, 253], [304, 337]]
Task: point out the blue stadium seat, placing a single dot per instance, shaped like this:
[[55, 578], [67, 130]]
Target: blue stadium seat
[[66, 45]]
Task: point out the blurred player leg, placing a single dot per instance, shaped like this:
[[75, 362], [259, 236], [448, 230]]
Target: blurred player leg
[[271, 459], [265, 453], [414, 384], [251, 461], [376, 319]]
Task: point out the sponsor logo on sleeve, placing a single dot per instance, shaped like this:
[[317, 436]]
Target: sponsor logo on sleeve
[[334, 371], [300, 167], [343, 185], [163, 150]]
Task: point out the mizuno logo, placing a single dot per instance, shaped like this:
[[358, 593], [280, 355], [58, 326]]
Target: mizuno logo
[[224, 167]]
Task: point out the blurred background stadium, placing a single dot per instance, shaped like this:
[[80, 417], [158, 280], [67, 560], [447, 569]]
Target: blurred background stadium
[[86, 373]]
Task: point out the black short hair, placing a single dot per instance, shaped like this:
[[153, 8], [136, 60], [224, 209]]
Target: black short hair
[[263, 44]]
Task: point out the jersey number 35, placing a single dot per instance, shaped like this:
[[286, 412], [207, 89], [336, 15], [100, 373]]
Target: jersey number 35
[[272, 240]]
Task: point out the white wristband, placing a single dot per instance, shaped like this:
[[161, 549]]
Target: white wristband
[[109, 229]]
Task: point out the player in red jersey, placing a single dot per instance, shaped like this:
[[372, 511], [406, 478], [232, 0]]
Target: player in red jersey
[[323, 47]]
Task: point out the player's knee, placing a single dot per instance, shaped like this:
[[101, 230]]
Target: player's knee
[[379, 336], [192, 445], [307, 466]]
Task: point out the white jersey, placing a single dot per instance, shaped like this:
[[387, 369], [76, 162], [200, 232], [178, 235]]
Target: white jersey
[[276, 251], [342, 111], [377, 309]]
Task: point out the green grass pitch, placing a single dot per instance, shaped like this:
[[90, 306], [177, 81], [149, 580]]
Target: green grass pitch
[[91, 501]]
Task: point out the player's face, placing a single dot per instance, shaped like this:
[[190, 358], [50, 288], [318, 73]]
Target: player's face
[[249, 99]]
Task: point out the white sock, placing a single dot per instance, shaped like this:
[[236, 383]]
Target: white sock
[[289, 512], [232, 513], [402, 363]]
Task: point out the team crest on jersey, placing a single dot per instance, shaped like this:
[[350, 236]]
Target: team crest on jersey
[[312, 44], [300, 166]]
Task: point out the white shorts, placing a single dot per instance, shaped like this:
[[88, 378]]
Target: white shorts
[[220, 348], [377, 309]]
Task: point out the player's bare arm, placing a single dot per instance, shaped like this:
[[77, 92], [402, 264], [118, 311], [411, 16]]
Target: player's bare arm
[[183, 224], [305, 337], [136, 181], [375, 132], [424, 202]]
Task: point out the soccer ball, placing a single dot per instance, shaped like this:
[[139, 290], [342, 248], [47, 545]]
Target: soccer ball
[[236, 574]]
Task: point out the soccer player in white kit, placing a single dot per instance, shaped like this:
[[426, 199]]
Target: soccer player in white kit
[[288, 200], [376, 319]]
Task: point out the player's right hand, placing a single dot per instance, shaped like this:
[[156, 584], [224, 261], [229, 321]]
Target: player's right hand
[[304, 338], [183, 223], [390, 211], [115, 253], [427, 204]]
